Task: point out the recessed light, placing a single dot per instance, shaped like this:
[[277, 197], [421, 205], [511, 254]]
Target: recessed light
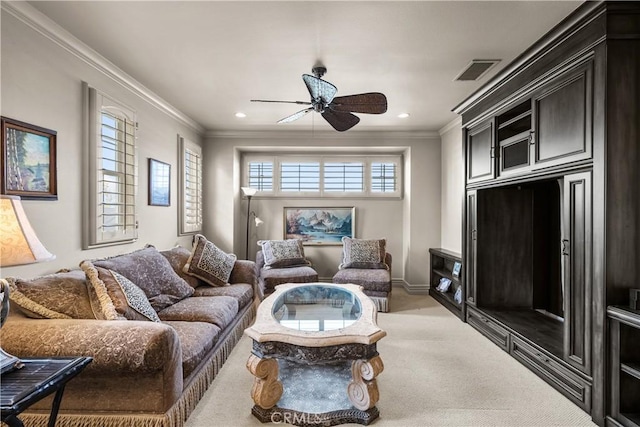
[[241, 115], [403, 115]]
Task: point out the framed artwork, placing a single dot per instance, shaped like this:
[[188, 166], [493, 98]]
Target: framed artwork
[[28, 167], [319, 226], [159, 183], [455, 272]]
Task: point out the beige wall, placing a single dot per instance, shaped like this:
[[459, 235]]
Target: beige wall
[[452, 187], [41, 84], [410, 225]]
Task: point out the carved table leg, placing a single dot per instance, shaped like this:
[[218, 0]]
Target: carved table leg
[[363, 389], [266, 390]]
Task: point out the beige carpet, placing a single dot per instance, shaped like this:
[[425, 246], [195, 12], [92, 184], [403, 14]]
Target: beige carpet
[[438, 372]]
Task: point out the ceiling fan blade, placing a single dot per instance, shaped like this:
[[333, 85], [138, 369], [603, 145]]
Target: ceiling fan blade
[[295, 116], [319, 89], [340, 121], [369, 103], [286, 102]]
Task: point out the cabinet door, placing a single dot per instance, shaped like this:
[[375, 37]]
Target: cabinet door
[[563, 112], [480, 153], [471, 235], [576, 251]]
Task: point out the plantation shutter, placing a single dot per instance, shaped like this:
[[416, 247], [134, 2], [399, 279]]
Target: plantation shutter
[[113, 171], [191, 187]]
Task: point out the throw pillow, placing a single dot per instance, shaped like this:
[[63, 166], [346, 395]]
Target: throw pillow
[[178, 257], [363, 253], [61, 295], [209, 263], [283, 253], [151, 271], [127, 299]]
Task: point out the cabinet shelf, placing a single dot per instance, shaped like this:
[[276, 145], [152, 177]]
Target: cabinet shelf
[[515, 119], [632, 369], [442, 263]]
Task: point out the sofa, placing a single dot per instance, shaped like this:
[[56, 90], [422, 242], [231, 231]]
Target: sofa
[[154, 355]]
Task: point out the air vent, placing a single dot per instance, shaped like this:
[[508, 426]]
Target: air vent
[[476, 69]]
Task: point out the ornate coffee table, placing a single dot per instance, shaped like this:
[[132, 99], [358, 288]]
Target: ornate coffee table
[[314, 356]]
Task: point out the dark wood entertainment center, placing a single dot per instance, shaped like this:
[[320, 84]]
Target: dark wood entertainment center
[[551, 222]]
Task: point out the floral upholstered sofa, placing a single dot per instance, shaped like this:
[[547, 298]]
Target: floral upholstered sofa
[[158, 324]]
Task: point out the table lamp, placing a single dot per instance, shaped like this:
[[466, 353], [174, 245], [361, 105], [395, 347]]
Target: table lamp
[[18, 245]]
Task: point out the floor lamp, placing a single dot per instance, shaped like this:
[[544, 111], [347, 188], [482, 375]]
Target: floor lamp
[[250, 192], [18, 245]]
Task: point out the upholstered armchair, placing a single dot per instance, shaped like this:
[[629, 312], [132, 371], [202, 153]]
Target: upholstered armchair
[[282, 261], [366, 263]]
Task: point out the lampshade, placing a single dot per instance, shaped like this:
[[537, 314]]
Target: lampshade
[[248, 191], [18, 242]]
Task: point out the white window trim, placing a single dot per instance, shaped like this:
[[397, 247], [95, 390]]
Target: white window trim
[[365, 158], [96, 101], [184, 228]]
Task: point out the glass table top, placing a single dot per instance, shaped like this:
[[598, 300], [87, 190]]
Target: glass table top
[[316, 308]]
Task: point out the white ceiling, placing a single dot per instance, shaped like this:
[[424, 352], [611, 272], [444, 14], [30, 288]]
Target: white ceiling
[[209, 58]]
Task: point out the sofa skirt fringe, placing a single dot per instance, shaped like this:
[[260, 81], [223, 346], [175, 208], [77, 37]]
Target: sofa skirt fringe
[[176, 415]]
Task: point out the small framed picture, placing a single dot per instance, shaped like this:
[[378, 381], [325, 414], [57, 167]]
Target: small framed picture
[[159, 183], [444, 284], [455, 272], [28, 167]]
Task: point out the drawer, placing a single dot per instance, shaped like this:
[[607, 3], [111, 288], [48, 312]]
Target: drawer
[[489, 328], [567, 382]]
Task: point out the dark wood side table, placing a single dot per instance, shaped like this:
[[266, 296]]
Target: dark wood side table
[[37, 379]]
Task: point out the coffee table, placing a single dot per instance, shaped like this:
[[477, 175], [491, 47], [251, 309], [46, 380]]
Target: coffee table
[[314, 356]]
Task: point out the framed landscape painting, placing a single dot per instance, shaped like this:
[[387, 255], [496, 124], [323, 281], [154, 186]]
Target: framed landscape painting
[[28, 160], [159, 183], [319, 226]]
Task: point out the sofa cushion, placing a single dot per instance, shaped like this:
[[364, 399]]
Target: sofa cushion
[[209, 263], [151, 271], [283, 253], [242, 292], [277, 276], [129, 301], [363, 253], [196, 340], [370, 279], [178, 257], [61, 295], [219, 311]]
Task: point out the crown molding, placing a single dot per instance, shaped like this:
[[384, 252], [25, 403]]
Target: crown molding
[[54, 32], [323, 135], [455, 123]]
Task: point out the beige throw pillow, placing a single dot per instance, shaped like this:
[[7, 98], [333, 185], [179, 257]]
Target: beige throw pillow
[[363, 253], [209, 263], [61, 295], [283, 253]]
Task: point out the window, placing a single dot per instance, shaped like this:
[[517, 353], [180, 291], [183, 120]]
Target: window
[[113, 171], [383, 177], [300, 177], [347, 175], [344, 177], [190, 186], [261, 175]]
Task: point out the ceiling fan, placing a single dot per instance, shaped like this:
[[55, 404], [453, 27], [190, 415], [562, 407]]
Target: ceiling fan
[[337, 110]]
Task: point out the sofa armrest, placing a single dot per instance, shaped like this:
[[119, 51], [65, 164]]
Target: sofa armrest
[[137, 365], [245, 271], [115, 345], [387, 260]]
